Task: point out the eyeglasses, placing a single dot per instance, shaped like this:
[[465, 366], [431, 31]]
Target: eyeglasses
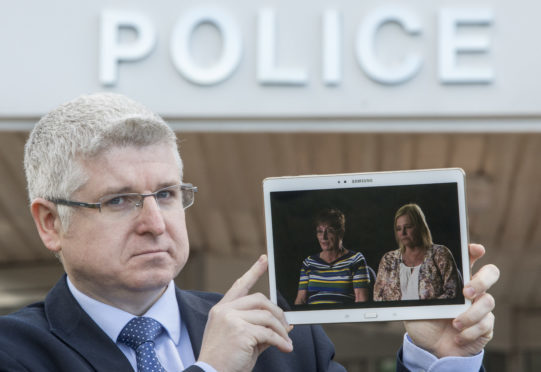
[[168, 198]]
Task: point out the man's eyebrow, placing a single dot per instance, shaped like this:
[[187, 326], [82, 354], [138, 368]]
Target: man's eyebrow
[[131, 190], [163, 185], [116, 190]]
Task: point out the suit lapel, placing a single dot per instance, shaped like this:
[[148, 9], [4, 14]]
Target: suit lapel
[[69, 322], [194, 313]]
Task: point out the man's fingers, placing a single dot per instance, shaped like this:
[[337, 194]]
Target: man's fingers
[[242, 286], [264, 336], [482, 329], [481, 281], [476, 252], [480, 308], [268, 320], [258, 301]]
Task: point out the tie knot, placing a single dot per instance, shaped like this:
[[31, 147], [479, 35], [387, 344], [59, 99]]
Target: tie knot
[[140, 330]]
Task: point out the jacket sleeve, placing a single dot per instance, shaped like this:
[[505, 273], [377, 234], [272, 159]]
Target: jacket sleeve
[[8, 364], [325, 352]]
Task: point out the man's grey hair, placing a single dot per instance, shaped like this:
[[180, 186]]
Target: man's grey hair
[[82, 129]]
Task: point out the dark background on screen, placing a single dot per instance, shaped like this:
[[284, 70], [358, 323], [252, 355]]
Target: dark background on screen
[[369, 215]]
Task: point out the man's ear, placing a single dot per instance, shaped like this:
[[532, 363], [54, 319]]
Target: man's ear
[[48, 223]]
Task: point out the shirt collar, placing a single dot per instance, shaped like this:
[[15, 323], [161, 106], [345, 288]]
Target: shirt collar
[[112, 320]]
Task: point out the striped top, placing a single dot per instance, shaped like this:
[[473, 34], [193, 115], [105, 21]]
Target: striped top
[[332, 283]]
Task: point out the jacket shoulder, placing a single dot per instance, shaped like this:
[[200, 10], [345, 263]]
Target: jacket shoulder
[[209, 297], [202, 301], [32, 316]]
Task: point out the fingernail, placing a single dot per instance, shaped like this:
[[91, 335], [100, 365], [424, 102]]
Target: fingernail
[[458, 325], [469, 292], [262, 258]]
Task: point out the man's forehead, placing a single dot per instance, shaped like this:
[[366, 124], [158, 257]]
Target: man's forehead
[[128, 169], [132, 154]]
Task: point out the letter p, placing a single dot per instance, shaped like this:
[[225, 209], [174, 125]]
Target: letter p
[[113, 50]]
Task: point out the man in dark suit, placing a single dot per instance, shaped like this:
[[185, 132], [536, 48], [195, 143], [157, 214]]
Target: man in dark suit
[[105, 183]]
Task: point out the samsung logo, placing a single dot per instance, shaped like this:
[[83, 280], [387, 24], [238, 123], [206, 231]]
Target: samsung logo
[[362, 180]]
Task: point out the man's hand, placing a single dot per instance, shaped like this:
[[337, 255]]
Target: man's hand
[[469, 333], [241, 326]]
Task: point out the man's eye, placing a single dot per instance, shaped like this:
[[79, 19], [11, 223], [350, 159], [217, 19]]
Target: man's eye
[[165, 194], [116, 201]]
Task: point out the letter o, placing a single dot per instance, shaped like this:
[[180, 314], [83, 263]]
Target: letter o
[[231, 46]]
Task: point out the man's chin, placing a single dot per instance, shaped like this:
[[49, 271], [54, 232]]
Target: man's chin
[[152, 280]]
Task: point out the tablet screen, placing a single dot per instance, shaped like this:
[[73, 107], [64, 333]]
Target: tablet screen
[[386, 243]]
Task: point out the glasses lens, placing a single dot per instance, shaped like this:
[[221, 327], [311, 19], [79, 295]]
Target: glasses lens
[[119, 203], [187, 197], [169, 197]]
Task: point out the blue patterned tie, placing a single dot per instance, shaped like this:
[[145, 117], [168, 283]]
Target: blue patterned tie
[[139, 334]]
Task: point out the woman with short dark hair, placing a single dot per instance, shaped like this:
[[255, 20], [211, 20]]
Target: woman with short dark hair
[[336, 274]]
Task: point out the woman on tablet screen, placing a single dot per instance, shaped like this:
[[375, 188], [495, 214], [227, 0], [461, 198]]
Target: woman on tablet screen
[[335, 275], [418, 269]]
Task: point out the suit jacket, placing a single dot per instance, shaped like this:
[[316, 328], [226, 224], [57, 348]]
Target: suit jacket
[[58, 335]]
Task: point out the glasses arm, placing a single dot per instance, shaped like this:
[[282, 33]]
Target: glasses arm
[[188, 186], [72, 203]]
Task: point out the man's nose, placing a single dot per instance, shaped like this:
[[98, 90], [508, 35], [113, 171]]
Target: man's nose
[[150, 217]]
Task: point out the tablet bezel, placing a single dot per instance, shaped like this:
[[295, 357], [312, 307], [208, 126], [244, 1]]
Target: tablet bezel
[[362, 180]]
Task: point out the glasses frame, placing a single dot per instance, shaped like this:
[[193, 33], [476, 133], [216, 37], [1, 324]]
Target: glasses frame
[[73, 203]]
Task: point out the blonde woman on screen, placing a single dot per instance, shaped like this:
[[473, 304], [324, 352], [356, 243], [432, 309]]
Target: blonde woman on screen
[[418, 269]]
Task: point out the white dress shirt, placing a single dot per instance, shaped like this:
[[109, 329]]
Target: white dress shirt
[[419, 360], [173, 347]]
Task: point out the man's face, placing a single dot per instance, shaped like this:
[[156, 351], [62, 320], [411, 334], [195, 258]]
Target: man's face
[[142, 251]]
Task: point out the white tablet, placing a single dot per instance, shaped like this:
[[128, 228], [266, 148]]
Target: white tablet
[[379, 246]]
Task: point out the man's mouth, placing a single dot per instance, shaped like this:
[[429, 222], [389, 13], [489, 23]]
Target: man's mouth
[[149, 252]]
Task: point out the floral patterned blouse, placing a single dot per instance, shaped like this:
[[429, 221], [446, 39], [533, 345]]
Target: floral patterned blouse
[[438, 275]]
